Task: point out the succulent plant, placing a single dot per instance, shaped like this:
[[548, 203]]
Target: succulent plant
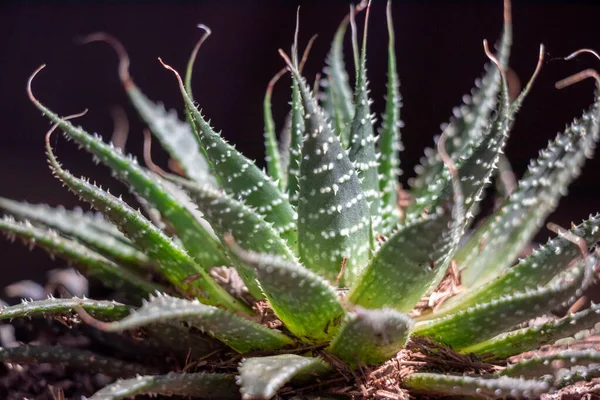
[[320, 277]]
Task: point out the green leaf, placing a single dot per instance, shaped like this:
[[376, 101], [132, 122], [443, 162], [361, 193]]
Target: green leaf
[[495, 245], [535, 270], [198, 242], [577, 374], [241, 178], [262, 377], [297, 134], [470, 120], [485, 320], [174, 135], [479, 386], [92, 263], [370, 337], [338, 89], [72, 357], [229, 216], [90, 229], [535, 336], [272, 157], [102, 309], [333, 214], [543, 364], [307, 305], [174, 263], [239, 333], [362, 138], [202, 385], [389, 139]]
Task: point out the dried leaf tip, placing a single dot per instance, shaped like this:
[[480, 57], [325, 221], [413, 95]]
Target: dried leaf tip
[[148, 155], [446, 159], [583, 249], [580, 76], [124, 62], [68, 117], [29, 82], [192, 60], [491, 56], [507, 12]]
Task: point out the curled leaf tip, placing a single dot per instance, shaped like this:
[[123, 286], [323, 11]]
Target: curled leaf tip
[[121, 53], [306, 52], [68, 117], [148, 155], [578, 77], [491, 56], [29, 82], [581, 51], [446, 159], [274, 80], [91, 321], [121, 127]]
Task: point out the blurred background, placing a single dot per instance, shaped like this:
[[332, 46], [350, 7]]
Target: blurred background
[[439, 52]]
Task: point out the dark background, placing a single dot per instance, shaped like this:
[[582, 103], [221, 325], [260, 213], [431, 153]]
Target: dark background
[[439, 53]]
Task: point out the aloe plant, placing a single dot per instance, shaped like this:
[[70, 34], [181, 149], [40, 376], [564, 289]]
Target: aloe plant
[[345, 292]]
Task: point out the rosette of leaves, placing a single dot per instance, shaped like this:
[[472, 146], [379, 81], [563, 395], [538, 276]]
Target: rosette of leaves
[[348, 289]]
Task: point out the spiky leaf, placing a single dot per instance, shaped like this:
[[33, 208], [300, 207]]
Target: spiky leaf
[[262, 377], [296, 136], [543, 364], [486, 320], [174, 262], [51, 307], [486, 387], [92, 263], [240, 334], [495, 245], [389, 140], [202, 385], [91, 229], [308, 306], [72, 357], [333, 214], [272, 156], [371, 336]]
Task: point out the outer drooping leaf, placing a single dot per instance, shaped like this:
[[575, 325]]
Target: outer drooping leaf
[[577, 374], [536, 336], [175, 136], [389, 139], [272, 156], [495, 245], [308, 306], [200, 385], [239, 333], [333, 214], [92, 263], [230, 216], [337, 93], [262, 377], [471, 119], [197, 241], [362, 138], [92, 230], [535, 270], [371, 336], [542, 364], [487, 387], [241, 178], [102, 309], [72, 357], [485, 320], [174, 263]]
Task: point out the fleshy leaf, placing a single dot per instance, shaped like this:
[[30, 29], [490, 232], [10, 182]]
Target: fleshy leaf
[[485, 320], [469, 121], [487, 387], [536, 336], [333, 214], [230, 216], [240, 177], [240, 334], [262, 377], [371, 336], [73, 357], [307, 305], [535, 270], [202, 385], [297, 133], [92, 263], [544, 364], [102, 309], [176, 265], [272, 157], [577, 374], [362, 138], [495, 245], [174, 135], [91, 229], [338, 93], [389, 139], [198, 242]]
